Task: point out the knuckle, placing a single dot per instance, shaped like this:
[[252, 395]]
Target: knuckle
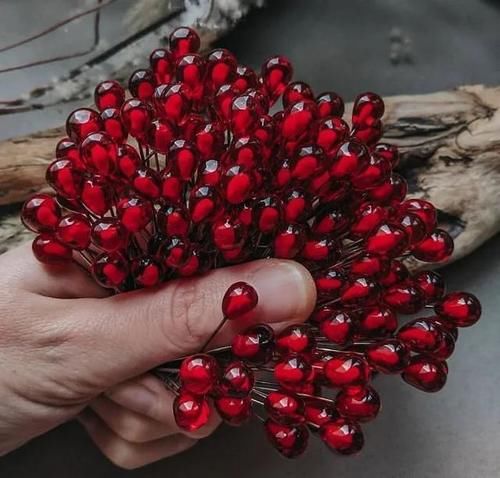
[[190, 305]]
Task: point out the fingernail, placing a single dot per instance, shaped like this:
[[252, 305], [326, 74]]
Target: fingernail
[[286, 291]]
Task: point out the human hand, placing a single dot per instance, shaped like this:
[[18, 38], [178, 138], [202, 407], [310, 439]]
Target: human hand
[[67, 349]]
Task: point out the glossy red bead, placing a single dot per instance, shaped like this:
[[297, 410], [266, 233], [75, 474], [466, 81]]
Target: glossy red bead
[[289, 241], [41, 213], [337, 327], [297, 120], [255, 344], [388, 356], [285, 408], [173, 102], [198, 374], [135, 213], [376, 321], [296, 338], [109, 94], [243, 115], [113, 126], [437, 247], [330, 104], [48, 250], [459, 308], [293, 369], [234, 411], [147, 271], [160, 135], [183, 40], [73, 230], [420, 335], [387, 240], [136, 116], [342, 436], [96, 195], [425, 373], [109, 234], [423, 209], [64, 178], [162, 64], [238, 183], [191, 412], [318, 412], [404, 298], [431, 284], [245, 78], [190, 71], [203, 203], [346, 370], [367, 109], [290, 441], [221, 68], [363, 406], [110, 270], [276, 73], [236, 380], [81, 123], [127, 160], [239, 299], [360, 290]]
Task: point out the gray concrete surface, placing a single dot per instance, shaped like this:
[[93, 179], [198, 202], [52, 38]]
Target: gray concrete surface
[[453, 434]]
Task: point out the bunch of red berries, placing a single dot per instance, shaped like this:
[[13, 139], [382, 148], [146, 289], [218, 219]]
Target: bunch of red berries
[[191, 172]]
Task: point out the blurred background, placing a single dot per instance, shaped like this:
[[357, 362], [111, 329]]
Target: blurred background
[[388, 46]]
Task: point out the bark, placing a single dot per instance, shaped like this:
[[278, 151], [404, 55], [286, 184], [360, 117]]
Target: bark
[[450, 144]]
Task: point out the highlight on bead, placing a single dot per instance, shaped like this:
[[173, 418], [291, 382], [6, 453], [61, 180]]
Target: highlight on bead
[[191, 170]]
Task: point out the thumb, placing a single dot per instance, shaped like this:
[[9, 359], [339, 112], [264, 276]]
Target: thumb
[[133, 332]]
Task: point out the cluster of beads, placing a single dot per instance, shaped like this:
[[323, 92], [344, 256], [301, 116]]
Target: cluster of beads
[[191, 172]]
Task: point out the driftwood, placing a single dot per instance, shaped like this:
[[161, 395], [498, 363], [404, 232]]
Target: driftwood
[[450, 144]]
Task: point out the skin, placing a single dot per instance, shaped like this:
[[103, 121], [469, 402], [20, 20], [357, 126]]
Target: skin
[[68, 349]]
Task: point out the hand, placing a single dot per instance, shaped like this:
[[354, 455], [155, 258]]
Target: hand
[[68, 349]]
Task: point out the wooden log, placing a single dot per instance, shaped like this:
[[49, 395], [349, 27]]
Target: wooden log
[[450, 144]]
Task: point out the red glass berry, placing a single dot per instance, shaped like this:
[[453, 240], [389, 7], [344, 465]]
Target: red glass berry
[[360, 290], [297, 120], [147, 271], [370, 265], [239, 299], [183, 40], [81, 123], [404, 298], [320, 249], [172, 102], [243, 115], [64, 178], [423, 209], [127, 160], [136, 117], [338, 327], [388, 356], [41, 213], [346, 370], [420, 335], [377, 321], [113, 126], [389, 152], [295, 339], [73, 230], [110, 270], [233, 410], [431, 284], [330, 104], [255, 344], [362, 406], [198, 374], [142, 84], [221, 68], [48, 250], [459, 308], [109, 234], [190, 71], [108, 94], [191, 412], [228, 233], [330, 133], [135, 213], [425, 373], [290, 441], [387, 240], [367, 218], [289, 241], [174, 252], [367, 109], [342, 436], [398, 272], [392, 190], [162, 64], [96, 195], [203, 203], [160, 135], [351, 158], [99, 153], [437, 247], [236, 380], [297, 91], [67, 149], [209, 140], [285, 408], [413, 227], [245, 79], [318, 412], [276, 73], [238, 184], [293, 369]]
